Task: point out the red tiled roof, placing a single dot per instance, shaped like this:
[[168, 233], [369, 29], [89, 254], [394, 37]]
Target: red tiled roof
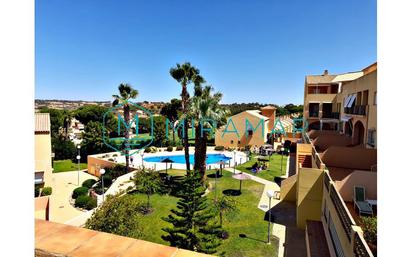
[[53, 239]]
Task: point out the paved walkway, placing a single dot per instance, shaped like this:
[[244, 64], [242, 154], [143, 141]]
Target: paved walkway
[[63, 184]]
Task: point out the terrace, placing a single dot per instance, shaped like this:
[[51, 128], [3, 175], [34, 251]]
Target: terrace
[[344, 167]]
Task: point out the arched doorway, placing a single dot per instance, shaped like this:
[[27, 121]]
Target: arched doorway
[[358, 133], [314, 125], [348, 129]]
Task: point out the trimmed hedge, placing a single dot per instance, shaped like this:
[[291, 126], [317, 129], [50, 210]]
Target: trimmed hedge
[[170, 148], [46, 191], [219, 148], [89, 183], [86, 202], [80, 191]]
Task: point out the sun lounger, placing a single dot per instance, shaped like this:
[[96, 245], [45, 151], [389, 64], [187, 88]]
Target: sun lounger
[[359, 200]]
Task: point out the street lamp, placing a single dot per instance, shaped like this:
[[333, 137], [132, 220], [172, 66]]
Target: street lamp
[[141, 155], [270, 194], [102, 171], [78, 169], [281, 162], [234, 162]]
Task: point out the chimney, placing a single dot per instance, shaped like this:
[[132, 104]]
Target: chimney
[[326, 72]]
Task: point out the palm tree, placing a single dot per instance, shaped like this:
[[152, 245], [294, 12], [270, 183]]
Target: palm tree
[[205, 106], [126, 93], [171, 111], [67, 120], [186, 74]]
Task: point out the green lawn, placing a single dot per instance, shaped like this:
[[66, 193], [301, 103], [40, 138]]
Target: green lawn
[[67, 165], [248, 221], [273, 167]]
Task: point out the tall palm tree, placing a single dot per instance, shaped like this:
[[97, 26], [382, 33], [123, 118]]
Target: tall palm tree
[[186, 74], [205, 105], [127, 92], [67, 120]]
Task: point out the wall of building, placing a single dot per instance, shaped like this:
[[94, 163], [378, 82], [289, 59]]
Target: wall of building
[[367, 179], [42, 155], [41, 207], [94, 164], [309, 189], [230, 139]]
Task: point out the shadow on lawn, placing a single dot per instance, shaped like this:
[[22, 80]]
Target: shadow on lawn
[[251, 238], [231, 192], [211, 176]]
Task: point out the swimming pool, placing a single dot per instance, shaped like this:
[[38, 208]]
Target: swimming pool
[[210, 158]]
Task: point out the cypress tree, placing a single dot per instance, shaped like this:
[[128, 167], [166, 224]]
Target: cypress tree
[[193, 222]]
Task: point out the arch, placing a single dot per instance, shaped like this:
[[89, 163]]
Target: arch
[[314, 125], [358, 133]]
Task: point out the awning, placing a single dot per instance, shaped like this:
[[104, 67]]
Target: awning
[[345, 118], [352, 100]]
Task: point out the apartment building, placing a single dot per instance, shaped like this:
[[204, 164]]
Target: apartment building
[[320, 92], [331, 162], [43, 149]]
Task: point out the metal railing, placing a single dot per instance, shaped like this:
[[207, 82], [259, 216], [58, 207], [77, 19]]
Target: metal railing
[[356, 110], [360, 248], [331, 115], [327, 180], [343, 214]]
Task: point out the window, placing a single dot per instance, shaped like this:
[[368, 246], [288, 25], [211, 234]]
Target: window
[[371, 137], [250, 132], [238, 142], [374, 98], [335, 239], [231, 141]]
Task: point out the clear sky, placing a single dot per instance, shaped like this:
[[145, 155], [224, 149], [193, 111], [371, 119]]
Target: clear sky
[[251, 51]]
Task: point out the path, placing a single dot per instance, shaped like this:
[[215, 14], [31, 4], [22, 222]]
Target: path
[[63, 184]]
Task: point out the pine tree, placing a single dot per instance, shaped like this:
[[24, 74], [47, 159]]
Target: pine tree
[[194, 225]]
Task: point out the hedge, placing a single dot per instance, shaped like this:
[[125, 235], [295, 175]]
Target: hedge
[[219, 148], [170, 148], [86, 202], [89, 183], [79, 192], [46, 191]]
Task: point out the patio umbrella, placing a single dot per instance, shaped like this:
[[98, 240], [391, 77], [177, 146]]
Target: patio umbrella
[[241, 177], [167, 160]]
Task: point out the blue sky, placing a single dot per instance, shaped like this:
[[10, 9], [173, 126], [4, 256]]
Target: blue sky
[[251, 51]]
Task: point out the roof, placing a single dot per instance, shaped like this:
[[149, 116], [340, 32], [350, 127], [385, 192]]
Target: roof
[[55, 239], [42, 123], [268, 107], [257, 114], [324, 79]]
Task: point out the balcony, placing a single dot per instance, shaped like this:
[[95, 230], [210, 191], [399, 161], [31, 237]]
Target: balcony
[[313, 114], [356, 110], [331, 115]]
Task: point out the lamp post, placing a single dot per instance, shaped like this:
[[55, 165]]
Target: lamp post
[[102, 171], [281, 161], [78, 169], [141, 155], [270, 194], [234, 162]]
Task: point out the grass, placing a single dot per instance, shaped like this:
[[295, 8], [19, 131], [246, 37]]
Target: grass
[[273, 167], [249, 220], [67, 165]]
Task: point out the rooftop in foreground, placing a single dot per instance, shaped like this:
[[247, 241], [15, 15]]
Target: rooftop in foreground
[[55, 239]]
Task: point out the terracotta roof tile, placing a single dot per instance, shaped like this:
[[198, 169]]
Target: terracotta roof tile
[[42, 122]]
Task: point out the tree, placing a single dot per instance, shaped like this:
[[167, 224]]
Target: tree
[[186, 74], [147, 182], [225, 205], [126, 93], [118, 215], [63, 148], [67, 121], [92, 142], [159, 131], [204, 108], [193, 224], [171, 111]]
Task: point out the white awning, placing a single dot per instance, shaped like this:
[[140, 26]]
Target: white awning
[[347, 99], [352, 100], [345, 118]]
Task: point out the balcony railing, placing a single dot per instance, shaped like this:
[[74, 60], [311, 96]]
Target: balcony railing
[[318, 161], [313, 114], [327, 180], [343, 213], [356, 110], [359, 247], [331, 115]]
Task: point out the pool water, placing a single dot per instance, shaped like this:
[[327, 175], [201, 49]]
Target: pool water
[[210, 158]]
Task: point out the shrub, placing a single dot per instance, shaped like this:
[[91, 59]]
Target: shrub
[[170, 148], [89, 183], [110, 160], [219, 148], [147, 150], [83, 201], [36, 191], [179, 148], [79, 192], [91, 204], [46, 191], [114, 155], [107, 180], [369, 226]]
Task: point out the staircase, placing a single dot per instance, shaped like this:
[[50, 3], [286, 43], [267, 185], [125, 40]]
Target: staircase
[[305, 161]]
